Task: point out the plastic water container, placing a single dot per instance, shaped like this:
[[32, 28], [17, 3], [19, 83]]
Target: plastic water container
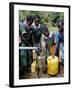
[[33, 67], [52, 65]]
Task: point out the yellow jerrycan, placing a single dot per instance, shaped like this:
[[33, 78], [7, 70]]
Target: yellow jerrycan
[[33, 67], [52, 65]]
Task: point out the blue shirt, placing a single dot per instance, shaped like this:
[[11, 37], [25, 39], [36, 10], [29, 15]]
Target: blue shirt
[[60, 39]]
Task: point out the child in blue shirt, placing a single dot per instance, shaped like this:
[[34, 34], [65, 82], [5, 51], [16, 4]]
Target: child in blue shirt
[[60, 40]]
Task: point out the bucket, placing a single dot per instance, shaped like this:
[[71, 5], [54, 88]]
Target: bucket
[[43, 65]]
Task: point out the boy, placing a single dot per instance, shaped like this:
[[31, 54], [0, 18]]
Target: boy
[[60, 40], [46, 40], [26, 41], [37, 30]]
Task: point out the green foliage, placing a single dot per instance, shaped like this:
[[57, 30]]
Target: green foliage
[[48, 18]]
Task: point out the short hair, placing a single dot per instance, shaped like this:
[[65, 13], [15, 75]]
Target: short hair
[[37, 16], [60, 21], [45, 28], [29, 18]]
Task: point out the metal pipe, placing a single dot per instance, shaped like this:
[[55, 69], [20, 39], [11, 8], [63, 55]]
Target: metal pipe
[[28, 48]]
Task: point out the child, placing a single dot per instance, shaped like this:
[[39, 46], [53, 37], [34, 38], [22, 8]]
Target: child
[[60, 40], [26, 38], [37, 30], [46, 40]]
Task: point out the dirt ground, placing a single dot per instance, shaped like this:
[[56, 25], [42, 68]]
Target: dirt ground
[[31, 75]]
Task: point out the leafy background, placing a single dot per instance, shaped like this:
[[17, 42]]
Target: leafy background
[[48, 18]]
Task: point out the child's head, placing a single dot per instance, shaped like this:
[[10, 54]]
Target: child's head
[[46, 30], [29, 20], [37, 20], [60, 25]]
